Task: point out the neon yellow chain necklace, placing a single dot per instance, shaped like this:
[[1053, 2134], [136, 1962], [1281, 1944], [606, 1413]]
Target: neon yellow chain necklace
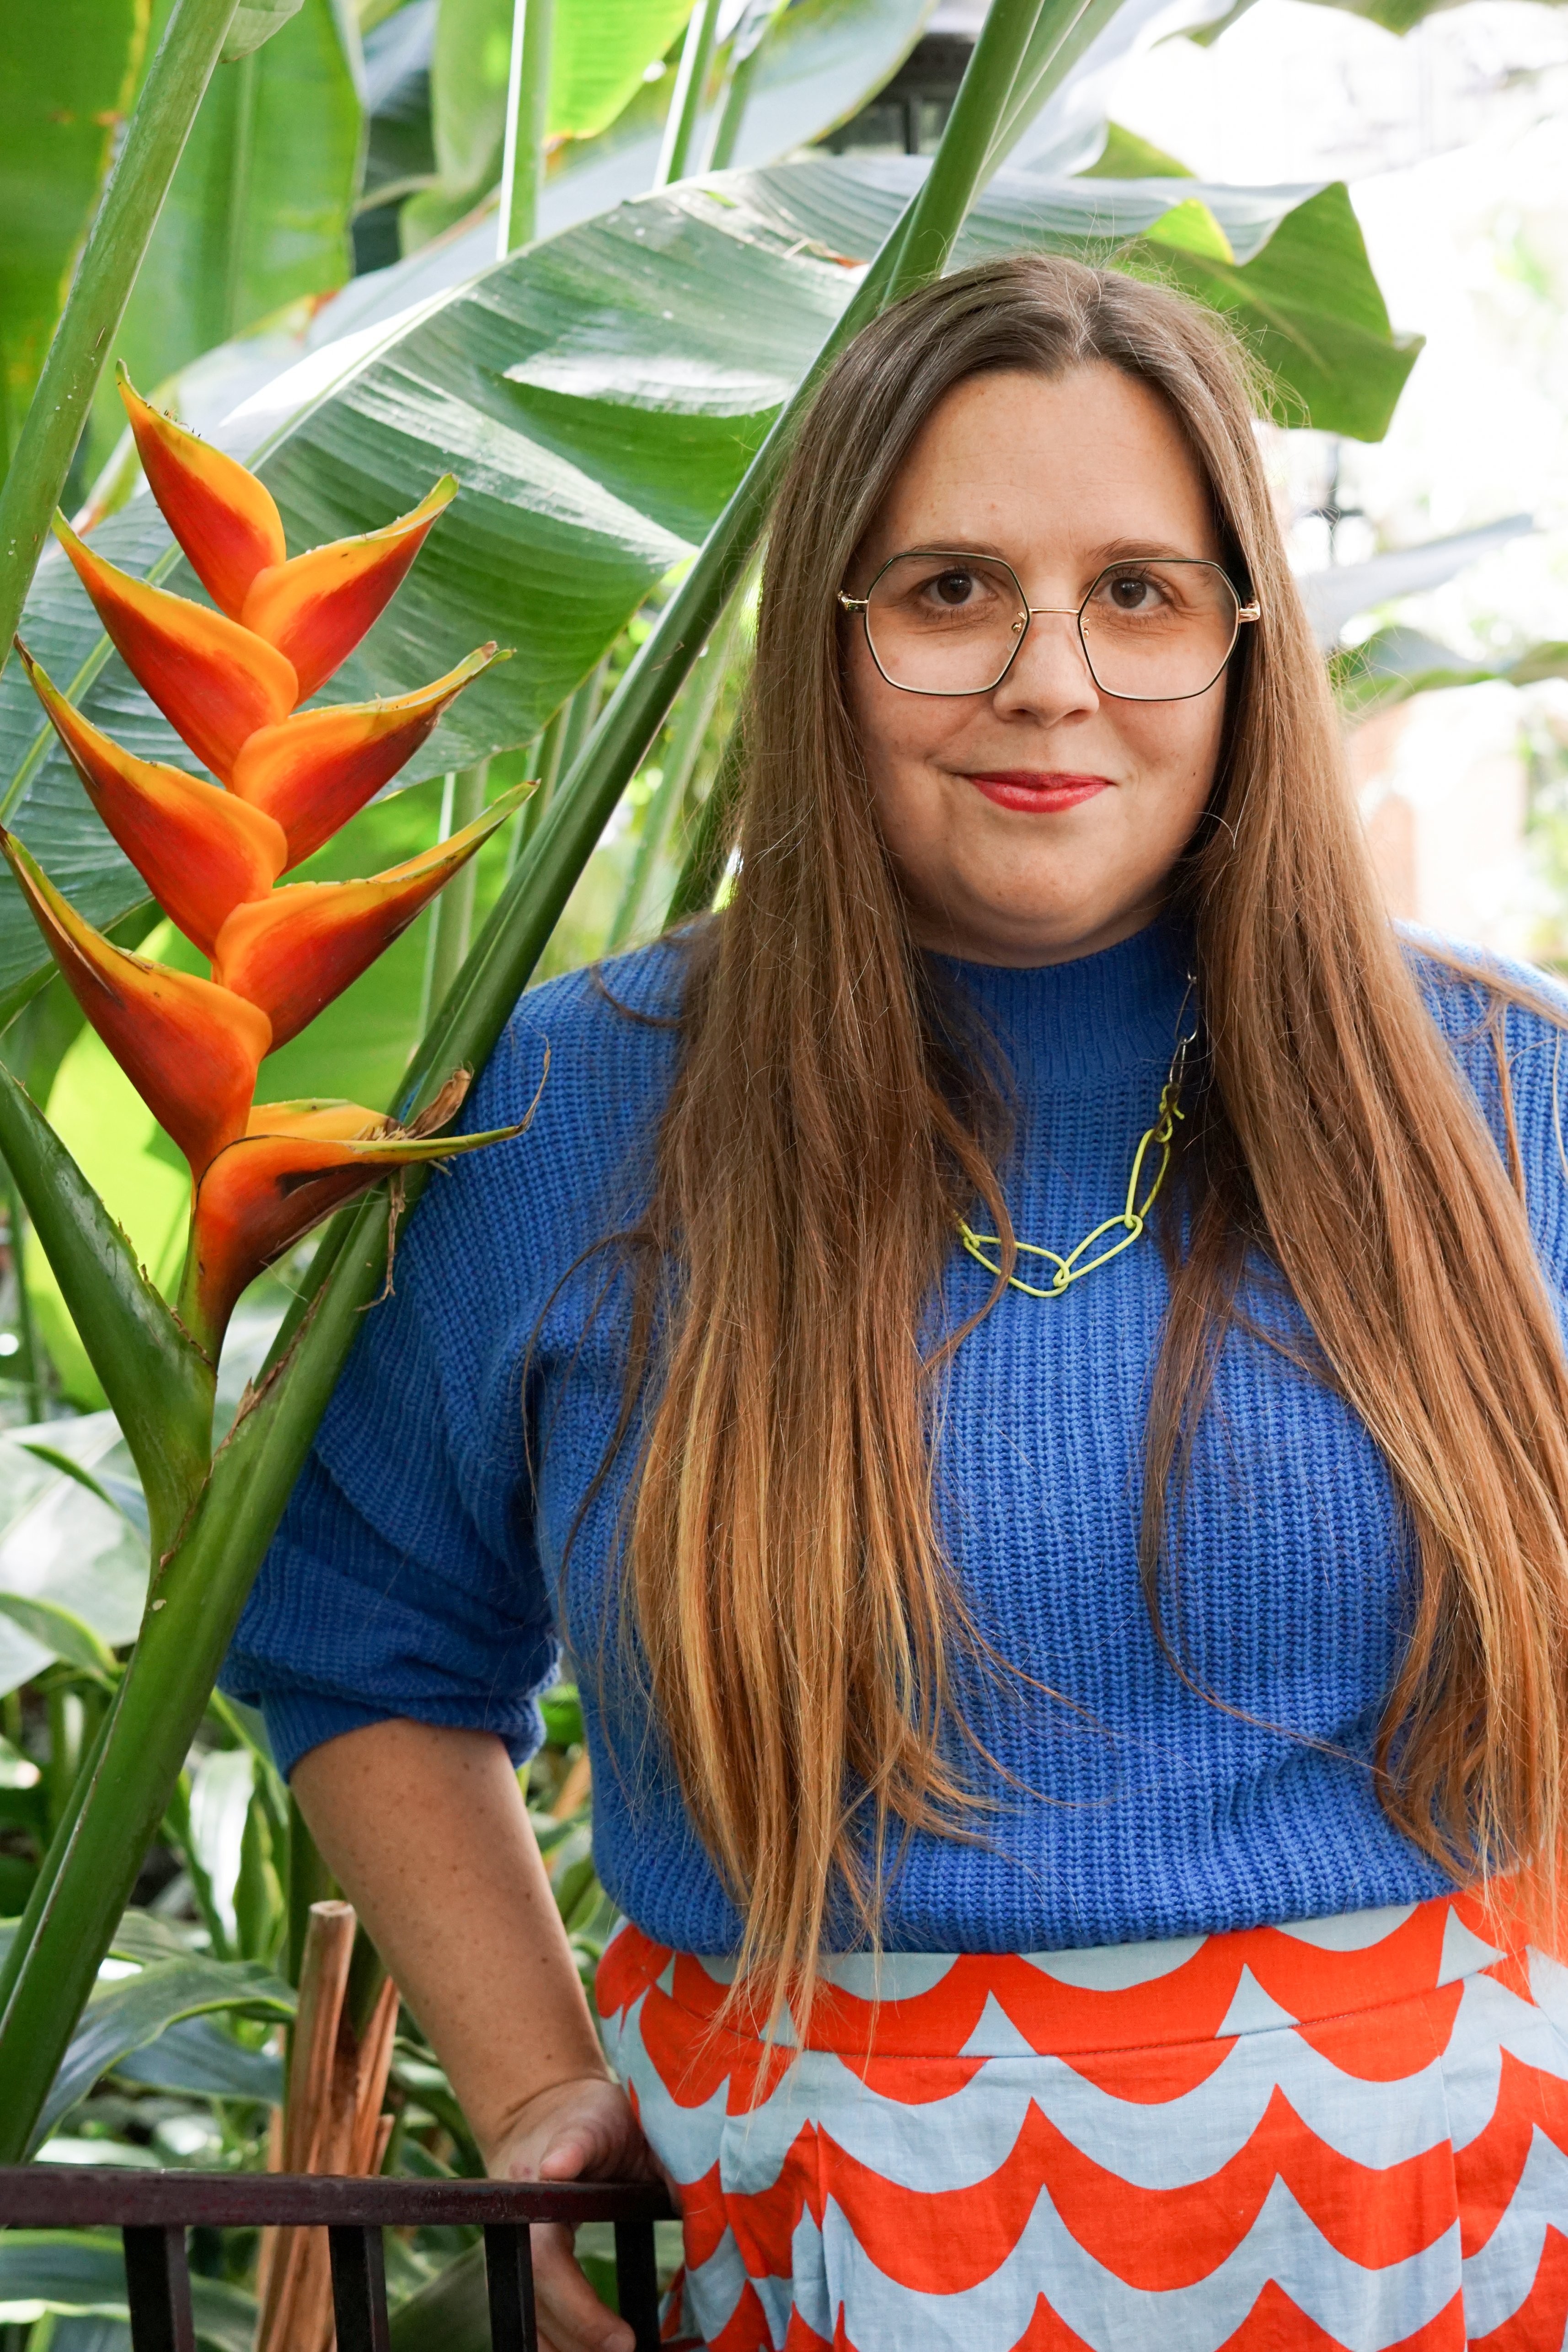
[[1129, 1224]]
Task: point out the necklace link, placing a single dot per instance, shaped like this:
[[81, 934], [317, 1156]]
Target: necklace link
[[1134, 1216]]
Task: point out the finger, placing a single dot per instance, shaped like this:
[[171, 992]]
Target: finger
[[570, 2313], [576, 2148]]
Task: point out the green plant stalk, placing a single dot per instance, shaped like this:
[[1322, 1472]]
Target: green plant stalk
[[545, 759], [579, 714], [958, 168], [693, 713], [204, 1582], [528, 120], [177, 1829], [1057, 45], [712, 839], [30, 1361], [160, 1385], [120, 1799], [309, 1881], [452, 917], [686, 104], [737, 89], [121, 230], [238, 226]]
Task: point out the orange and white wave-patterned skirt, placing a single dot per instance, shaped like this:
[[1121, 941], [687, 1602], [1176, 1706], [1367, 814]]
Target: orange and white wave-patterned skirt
[[1350, 2132]]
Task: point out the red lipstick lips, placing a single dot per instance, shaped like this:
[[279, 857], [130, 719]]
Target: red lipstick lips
[[1036, 793]]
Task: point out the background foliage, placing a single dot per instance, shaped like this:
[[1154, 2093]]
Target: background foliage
[[322, 297]]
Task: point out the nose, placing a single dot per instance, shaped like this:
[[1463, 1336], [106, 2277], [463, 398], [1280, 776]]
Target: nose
[[1050, 678]]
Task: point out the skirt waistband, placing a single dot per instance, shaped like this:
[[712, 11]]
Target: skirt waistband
[[1118, 1997]]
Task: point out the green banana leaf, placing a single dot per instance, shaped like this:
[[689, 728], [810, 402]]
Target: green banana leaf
[[260, 209], [197, 2059], [71, 71], [61, 1632], [61, 1546], [1397, 662], [83, 2271], [598, 397], [600, 50], [129, 2014], [817, 66]]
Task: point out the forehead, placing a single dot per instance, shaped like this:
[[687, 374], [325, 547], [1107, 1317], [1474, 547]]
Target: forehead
[[1031, 464]]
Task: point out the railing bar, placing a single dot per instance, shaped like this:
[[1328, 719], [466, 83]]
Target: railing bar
[[359, 2287], [510, 2276], [158, 2288], [637, 2281], [46, 2195]]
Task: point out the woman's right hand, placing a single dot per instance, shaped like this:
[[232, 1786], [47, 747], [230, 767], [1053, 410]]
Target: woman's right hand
[[579, 2130]]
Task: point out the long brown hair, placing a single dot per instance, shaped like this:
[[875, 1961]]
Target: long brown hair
[[801, 1622]]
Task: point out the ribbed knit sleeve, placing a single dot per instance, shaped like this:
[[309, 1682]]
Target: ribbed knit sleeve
[[406, 1578], [1474, 1020]]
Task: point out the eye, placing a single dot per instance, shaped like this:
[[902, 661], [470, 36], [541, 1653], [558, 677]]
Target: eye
[[953, 588], [1131, 592]]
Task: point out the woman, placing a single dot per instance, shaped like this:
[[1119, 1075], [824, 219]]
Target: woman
[[1110, 1678]]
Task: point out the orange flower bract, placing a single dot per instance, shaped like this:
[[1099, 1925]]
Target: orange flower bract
[[230, 683]]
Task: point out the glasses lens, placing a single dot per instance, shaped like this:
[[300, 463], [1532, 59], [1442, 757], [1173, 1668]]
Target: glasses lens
[[945, 624], [1157, 632]]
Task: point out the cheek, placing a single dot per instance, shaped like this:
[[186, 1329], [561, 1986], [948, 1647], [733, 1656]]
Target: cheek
[[1175, 746], [897, 732]]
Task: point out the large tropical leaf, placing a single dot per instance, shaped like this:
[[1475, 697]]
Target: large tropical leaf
[[83, 2271], [260, 207], [598, 397], [59, 1545], [198, 2058], [817, 65], [69, 76], [600, 50], [127, 2015]]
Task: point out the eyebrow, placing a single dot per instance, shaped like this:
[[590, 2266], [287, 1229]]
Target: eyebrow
[[1115, 550]]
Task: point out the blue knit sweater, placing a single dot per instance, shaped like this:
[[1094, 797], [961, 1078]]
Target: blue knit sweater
[[418, 1570]]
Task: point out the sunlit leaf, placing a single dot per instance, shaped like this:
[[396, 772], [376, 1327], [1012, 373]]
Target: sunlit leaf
[[59, 1543], [600, 50], [69, 77], [60, 1631], [260, 209], [118, 1493], [254, 22]]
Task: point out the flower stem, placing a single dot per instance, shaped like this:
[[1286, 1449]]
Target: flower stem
[[527, 124], [686, 104]]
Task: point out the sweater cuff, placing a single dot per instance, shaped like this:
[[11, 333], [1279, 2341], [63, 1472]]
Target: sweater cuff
[[297, 1721]]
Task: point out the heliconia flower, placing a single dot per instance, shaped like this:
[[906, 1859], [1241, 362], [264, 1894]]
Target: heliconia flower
[[314, 772], [316, 608], [199, 850], [294, 950], [226, 521], [214, 681], [295, 1163], [229, 682], [191, 1049]]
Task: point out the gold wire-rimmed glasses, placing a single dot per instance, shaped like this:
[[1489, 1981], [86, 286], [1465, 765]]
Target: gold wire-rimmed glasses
[[943, 621]]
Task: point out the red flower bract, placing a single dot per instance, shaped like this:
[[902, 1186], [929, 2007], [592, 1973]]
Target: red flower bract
[[210, 853]]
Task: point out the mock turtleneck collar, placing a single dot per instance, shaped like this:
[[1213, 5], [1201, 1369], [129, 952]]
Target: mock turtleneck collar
[[1081, 1022]]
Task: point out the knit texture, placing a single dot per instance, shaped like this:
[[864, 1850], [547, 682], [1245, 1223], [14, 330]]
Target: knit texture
[[422, 1571]]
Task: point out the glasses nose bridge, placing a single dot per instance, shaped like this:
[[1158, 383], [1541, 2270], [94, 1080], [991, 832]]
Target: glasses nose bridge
[[1073, 613]]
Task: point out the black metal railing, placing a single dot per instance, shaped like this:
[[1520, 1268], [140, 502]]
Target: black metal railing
[[153, 2211]]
